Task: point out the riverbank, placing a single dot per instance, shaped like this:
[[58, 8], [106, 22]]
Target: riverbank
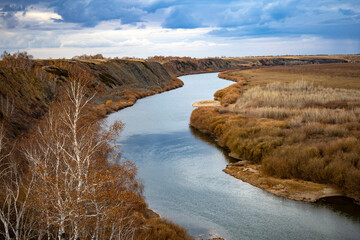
[[291, 152], [118, 84], [196, 193], [294, 189]]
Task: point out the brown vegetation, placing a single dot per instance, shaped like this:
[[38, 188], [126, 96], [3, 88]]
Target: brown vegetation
[[296, 131], [64, 179], [327, 75], [295, 189], [230, 94], [33, 84], [89, 57], [17, 60]]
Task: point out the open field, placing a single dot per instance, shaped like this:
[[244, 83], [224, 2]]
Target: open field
[[327, 75], [294, 122]]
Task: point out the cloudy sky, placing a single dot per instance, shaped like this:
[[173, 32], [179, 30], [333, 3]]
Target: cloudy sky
[[196, 28]]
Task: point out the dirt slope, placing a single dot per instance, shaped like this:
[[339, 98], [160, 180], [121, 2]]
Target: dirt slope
[[30, 91]]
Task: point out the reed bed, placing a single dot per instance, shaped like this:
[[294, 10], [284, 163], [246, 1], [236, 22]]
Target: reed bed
[[294, 95], [298, 131]]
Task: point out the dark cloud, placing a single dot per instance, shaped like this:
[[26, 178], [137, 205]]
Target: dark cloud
[[10, 21], [347, 12], [234, 18], [96, 11], [86, 13], [229, 13], [332, 31], [180, 18]]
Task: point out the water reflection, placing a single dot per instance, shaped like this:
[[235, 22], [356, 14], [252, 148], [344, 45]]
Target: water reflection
[[210, 141], [342, 205], [182, 173]]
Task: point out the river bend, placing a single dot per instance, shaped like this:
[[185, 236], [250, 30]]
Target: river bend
[[184, 182]]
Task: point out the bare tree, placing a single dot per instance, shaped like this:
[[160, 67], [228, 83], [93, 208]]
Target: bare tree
[[15, 186], [81, 193], [18, 60]]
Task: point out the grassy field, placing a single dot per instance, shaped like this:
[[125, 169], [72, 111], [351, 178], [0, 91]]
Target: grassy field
[[327, 75], [297, 122]]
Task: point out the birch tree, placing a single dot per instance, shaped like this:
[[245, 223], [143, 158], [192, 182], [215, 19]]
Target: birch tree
[[82, 194], [15, 187]]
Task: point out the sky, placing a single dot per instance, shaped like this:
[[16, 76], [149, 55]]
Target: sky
[[195, 28]]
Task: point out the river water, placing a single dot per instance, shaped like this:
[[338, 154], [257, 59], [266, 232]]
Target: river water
[[184, 182]]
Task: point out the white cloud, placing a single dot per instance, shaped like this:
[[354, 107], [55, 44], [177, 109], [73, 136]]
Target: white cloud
[[207, 47], [112, 38], [39, 15]]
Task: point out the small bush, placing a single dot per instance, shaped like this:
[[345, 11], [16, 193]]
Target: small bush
[[230, 94], [18, 59], [335, 162]]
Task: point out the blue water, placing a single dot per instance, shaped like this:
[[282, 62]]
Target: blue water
[[184, 182]]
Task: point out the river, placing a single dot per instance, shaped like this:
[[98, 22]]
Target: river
[[184, 182]]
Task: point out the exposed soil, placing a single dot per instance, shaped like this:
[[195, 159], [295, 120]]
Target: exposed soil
[[289, 188], [334, 75], [206, 103]]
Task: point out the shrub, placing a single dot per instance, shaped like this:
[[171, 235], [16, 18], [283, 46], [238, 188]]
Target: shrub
[[89, 57], [294, 131], [335, 162], [18, 60], [297, 95], [230, 94], [291, 161]]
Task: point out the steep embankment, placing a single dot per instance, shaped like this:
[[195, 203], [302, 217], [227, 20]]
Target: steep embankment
[[117, 80], [23, 98], [182, 66], [26, 93], [178, 67], [117, 83]]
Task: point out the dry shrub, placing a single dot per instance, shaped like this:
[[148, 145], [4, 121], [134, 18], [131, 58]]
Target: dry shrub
[[253, 149], [268, 112], [160, 229], [295, 95], [299, 116], [247, 138], [89, 57], [335, 162], [342, 145], [206, 120], [300, 103], [18, 59], [333, 116], [296, 131], [336, 131], [230, 94], [232, 75], [289, 161], [314, 151], [312, 129]]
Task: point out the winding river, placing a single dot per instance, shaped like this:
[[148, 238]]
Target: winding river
[[184, 182]]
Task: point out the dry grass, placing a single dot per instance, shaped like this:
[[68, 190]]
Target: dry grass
[[230, 94], [161, 229], [335, 162], [323, 153], [327, 75], [246, 137], [282, 101], [297, 94], [295, 129]]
